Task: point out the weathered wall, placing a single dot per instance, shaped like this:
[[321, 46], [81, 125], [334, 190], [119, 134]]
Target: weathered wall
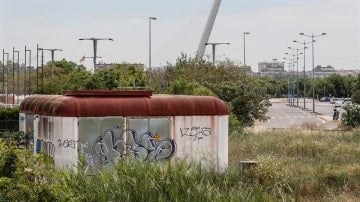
[[103, 141], [57, 137], [202, 139]]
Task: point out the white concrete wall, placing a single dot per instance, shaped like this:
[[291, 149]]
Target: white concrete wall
[[198, 138], [57, 137], [22, 122], [202, 139]]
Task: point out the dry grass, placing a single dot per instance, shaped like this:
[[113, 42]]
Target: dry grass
[[316, 164]]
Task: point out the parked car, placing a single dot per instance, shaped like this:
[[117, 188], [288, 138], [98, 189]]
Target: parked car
[[338, 103], [333, 100], [325, 99]]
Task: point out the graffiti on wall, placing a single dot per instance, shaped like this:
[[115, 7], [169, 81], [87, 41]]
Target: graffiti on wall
[[146, 147], [196, 133], [68, 143], [48, 148]]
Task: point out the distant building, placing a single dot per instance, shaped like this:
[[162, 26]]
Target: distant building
[[322, 72], [272, 69], [344, 72]]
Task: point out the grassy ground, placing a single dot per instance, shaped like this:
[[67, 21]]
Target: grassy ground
[[292, 166], [316, 165]]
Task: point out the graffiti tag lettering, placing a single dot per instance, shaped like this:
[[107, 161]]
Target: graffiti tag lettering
[[145, 147], [196, 133], [68, 143], [48, 148]]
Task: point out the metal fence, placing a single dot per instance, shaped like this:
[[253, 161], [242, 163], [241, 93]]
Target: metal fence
[[9, 125]]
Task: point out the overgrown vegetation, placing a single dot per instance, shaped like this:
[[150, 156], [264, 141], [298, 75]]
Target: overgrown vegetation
[[189, 76], [351, 117], [292, 165], [9, 119]]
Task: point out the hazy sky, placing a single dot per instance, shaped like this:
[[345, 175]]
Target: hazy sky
[[273, 25]]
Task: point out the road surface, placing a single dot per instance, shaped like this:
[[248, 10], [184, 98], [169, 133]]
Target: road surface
[[282, 115]]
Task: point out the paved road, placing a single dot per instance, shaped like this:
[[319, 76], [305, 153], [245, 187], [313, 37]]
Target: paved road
[[324, 108], [282, 115]]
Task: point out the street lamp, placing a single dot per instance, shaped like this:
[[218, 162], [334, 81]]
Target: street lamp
[[37, 69], [245, 33], [150, 19], [95, 45], [4, 77], [289, 77], [13, 88], [83, 58], [27, 50], [52, 63], [304, 76], [213, 50], [292, 67], [312, 47], [297, 74]]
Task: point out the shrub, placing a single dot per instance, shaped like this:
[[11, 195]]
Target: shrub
[[351, 117], [9, 113], [355, 98]]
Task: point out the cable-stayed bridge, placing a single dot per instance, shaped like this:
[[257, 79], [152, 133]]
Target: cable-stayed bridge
[[190, 40]]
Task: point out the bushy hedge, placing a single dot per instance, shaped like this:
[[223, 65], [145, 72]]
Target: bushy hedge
[[9, 113], [351, 117], [9, 119]]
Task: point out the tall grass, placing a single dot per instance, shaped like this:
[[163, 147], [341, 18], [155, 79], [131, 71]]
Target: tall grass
[[315, 164], [292, 166], [144, 182]]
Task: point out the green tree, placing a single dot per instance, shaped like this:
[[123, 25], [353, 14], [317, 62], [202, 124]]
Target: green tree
[[65, 66], [336, 85], [247, 101], [103, 79], [355, 98], [77, 80], [181, 86], [351, 117]]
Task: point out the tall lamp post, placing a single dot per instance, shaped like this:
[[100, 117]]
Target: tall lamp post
[[213, 50], [289, 77], [4, 77], [95, 46], [245, 33], [13, 88], [25, 81], [312, 47], [304, 75], [150, 19], [297, 74], [52, 64], [291, 73]]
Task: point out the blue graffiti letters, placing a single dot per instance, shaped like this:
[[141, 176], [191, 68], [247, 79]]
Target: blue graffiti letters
[[145, 147], [48, 148], [148, 147]]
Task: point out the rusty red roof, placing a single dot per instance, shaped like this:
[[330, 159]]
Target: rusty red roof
[[102, 103]]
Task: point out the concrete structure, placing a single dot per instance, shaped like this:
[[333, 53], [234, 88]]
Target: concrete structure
[[107, 126]]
